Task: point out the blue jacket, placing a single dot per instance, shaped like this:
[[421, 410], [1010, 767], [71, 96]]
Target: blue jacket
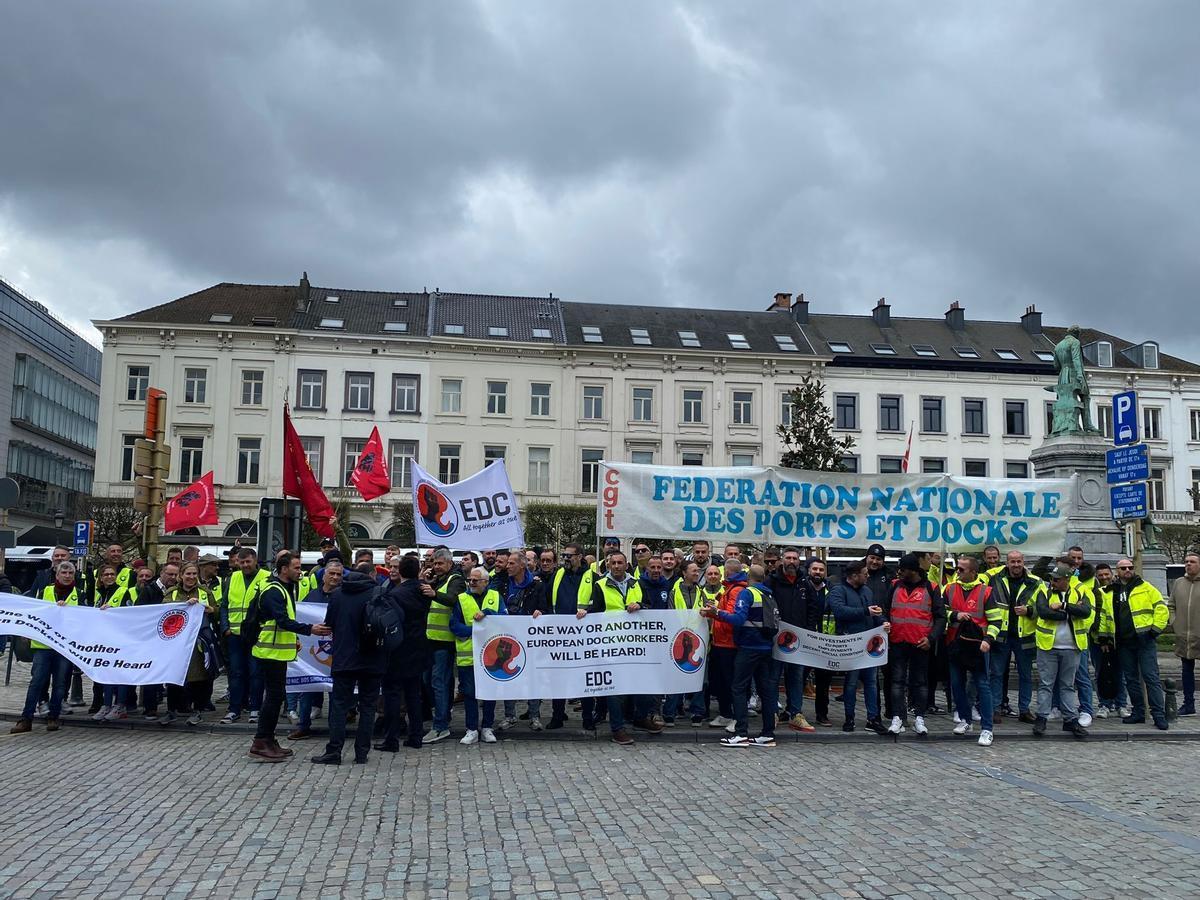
[[461, 628], [745, 634], [656, 592], [849, 607]]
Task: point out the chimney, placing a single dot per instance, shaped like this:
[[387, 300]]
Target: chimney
[[800, 310], [302, 294], [1032, 320], [782, 301], [882, 314], [956, 317]]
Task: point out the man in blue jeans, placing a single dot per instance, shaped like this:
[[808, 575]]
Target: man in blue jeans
[[755, 621], [49, 669], [443, 589], [245, 682], [1017, 589], [800, 598], [855, 611]]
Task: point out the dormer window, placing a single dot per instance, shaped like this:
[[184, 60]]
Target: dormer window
[[592, 335]]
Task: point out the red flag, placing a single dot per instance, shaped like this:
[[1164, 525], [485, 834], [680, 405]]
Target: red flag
[[195, 505], [907, 449], [299, 481], [370, 473]]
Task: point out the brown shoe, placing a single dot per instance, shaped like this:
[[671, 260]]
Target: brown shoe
[[262, 751], [648, 725], [53, 724], [284, 750], [22, 726], [622, 737], [299, 734]]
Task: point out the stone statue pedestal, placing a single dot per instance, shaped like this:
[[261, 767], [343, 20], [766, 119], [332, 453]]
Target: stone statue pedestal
[[1090, 524]]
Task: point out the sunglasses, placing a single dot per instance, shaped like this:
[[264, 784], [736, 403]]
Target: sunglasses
[[1124, 568]]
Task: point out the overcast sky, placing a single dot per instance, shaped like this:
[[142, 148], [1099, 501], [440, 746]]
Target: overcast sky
[[675, 154]]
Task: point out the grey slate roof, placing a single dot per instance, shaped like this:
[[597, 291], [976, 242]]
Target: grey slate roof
[[364, 312], [479, 312], [1120, 361], [244, 302]]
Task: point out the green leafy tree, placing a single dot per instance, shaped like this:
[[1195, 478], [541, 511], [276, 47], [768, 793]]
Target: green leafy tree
[[809, 441], [555, 524]]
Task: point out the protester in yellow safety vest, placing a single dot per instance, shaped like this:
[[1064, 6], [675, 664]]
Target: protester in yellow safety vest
[[1102, 598], [686, 594], [568, 590], [1017, 590], [191, 697], [641, 557], [275, 647], [713, 585], [1133, 617], [245, 685], [1064, 614], [991, 565], [114, 555], [471, 607], [209, 578], [614, 593], [49, 668], [611, 545], [976, 620], [443, 591], [107, 594]]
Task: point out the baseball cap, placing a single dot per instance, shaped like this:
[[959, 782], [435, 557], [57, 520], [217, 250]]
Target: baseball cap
[[208, 558], [1062, 572], [612, 540], [328, 542], [876, 550], [910, 562]]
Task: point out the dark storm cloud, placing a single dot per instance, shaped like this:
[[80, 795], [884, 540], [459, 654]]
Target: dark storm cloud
[[682, 155]]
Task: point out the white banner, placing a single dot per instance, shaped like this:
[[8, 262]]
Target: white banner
[[659, 651], [310, 671], [123, 645], [835, 652], [479, 513], [834, 509]]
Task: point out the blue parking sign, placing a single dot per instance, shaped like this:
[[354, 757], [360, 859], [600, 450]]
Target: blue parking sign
[[1125, 418], [83, 538]]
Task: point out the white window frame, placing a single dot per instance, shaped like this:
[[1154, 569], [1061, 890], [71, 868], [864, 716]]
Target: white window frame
[[452, 399], [253, 381]]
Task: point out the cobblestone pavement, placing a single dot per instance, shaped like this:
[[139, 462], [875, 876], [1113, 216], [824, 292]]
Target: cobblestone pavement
[[119, 813]]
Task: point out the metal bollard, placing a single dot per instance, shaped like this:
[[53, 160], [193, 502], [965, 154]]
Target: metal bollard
[[1169, 702]]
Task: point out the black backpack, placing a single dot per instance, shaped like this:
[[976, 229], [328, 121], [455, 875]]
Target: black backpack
[[383, 624]]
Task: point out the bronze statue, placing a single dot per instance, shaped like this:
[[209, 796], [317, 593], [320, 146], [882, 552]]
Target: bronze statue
[[1073, 398]]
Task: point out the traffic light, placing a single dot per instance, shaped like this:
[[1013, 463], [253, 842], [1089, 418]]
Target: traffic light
[[151, 463]]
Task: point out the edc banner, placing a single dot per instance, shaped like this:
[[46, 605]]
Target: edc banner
[[310, 671], [122, 645], [834, 652], [834, 509], [659, 651], [479, 513]]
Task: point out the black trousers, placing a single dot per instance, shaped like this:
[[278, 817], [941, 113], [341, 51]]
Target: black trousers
[[340, 699], [908, 666], [822, 678], [274, 678], [186, 698], [402, 699]]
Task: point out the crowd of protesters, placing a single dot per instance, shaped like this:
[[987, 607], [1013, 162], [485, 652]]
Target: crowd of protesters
[[961, 625]]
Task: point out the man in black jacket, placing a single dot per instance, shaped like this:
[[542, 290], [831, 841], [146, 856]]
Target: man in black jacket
[[405, 668], [353, 665], [788, 583]]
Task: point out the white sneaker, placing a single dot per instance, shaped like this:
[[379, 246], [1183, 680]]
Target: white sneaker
[[253, 717], [985, 738], [1085, 720], [434, 736], [1101, 712], [1055, 713], [1126, 710], [919, 726], [755, 703], [897, 727], [317, 712], [535, 725], [975, 716], [293, 717], [487, 736], [731, 727], [962, 728], [736, 741], [471, 737], [957, 718], [102, 714], [720, 722], [43, 710]]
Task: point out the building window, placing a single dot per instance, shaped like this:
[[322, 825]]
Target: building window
[[693, 406], [191, 458], [452, 395], [975, 468], [1151, 423], [1104, 420], [127, 442], [643, 404], [1195, 420], [539, 470], [1195, 491], [195, 385], [890, 465], [249, 452], [137, 382], [1014, 419], [932, 418], [933, 465], [592, 335], [252, 387], [640, 337], [642, 457], [691, 458], [741, 460], [314, 452], [403, 454], [360, 388], [845, 411], [850, 464], [449, 463], [310, 393], [1016, 469], [405, 390], [497, 331], [889, 412], [974, 416], [785, 410], [539, 399], [497, 398], [738, 341], [743, 407], [351, 450], [1156, 490], [688, 339], [494, 453], [589, 478], [593, 401]]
